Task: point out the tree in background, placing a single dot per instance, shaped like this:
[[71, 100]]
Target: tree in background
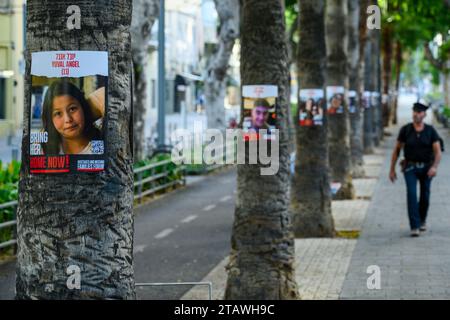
[[217, 66], [336, 39], [262, 247], [310, 194], [145, 12], [356, 124]]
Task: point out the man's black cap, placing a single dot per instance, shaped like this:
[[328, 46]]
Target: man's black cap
[[419, 107]]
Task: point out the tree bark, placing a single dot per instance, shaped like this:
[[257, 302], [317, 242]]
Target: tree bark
[[145, 12], [398, 68], [87, 219], [216, 71], [310, 194], [262, 257], [387, 70], [336, 39], [368, 87], [376, 79], [356, 125]]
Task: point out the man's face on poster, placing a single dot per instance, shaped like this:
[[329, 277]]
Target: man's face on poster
[[68, 117], [336, 101], [260, 115]]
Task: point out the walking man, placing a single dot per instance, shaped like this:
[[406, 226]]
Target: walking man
[[422, 152]]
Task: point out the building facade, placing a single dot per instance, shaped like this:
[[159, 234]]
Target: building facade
[[12, 66]]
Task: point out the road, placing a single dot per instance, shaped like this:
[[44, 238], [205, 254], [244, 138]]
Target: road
[[179, 237]]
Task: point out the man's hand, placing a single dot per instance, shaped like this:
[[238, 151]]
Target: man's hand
[[392, 175], [432, 172]]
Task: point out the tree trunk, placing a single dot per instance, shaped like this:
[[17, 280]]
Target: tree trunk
[[376, 86], [216, 71], [368, 87], [336, 38], [81, 220], [356, 125], [145, 12], [310, 194], [398, 68], [387, 70], [262, 257]]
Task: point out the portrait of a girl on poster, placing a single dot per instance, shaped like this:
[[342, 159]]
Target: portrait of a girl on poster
[[67, 116]]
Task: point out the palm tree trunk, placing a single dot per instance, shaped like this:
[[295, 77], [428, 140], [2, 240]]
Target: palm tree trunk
[[368, 87], [262, 256], [376, 86], [216, 71], [398, 68], [387, 71], [310, 194], [356, 125], [336, 39], [83, 220]]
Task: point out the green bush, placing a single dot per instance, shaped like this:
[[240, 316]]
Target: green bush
[[446, 112], [9, 177], [174, 171]]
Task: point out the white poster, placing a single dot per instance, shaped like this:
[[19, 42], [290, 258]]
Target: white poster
[[68, 111]]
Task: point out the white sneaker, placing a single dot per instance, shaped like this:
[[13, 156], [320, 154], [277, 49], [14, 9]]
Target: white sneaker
[[423, 227], [415, 233]]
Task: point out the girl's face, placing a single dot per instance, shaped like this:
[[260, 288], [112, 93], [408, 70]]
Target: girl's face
[[68, 117]]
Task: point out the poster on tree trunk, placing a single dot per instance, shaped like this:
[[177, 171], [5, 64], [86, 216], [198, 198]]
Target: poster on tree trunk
[[259, 115], [352, 106], [311, 107], [375, 97], [365, 102], [68, 111], [335, 100]]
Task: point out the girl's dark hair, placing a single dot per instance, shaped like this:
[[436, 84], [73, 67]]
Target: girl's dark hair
[[61, 88]]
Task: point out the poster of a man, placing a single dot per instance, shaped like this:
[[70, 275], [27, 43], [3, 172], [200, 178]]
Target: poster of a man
[[259, 111], [335, 97], [68, 135], [311, 107]]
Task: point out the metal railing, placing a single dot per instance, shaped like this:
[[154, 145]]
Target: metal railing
[[8, 224], [157, 178], [229, 152]]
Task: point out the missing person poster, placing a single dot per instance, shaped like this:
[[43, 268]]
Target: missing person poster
[[335, 100], [352, 106], [366, 100], [260, 104], [311, 107], [68, 105], [375, 98]]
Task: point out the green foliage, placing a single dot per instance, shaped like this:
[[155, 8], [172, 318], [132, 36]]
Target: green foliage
[[9, 177], [446, 112], [415, 23], [174, 172]]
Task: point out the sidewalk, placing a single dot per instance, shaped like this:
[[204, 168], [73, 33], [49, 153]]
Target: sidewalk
[[410, 268], [321, 263]]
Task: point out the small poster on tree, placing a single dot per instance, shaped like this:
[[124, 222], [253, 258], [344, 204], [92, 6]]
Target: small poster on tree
[[311, 107], [259, 115], [67, 111], [335, 100], [352, 106], [366, 100]]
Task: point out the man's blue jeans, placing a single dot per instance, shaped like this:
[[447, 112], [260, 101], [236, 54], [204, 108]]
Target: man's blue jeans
[[417, 211]]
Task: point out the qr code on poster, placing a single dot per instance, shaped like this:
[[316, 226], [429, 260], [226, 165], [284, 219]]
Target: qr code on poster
[[97, 146]]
